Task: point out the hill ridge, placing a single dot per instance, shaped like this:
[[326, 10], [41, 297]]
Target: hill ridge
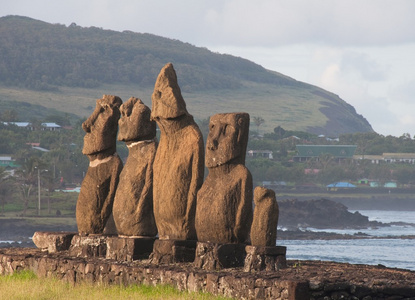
[[46, 58]]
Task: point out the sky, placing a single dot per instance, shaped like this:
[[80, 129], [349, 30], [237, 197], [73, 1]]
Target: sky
[[361, 50]]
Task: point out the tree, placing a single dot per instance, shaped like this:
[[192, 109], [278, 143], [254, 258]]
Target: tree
[[5, 187], [258, 122], [9, 115], [279, 131], [27, 176]]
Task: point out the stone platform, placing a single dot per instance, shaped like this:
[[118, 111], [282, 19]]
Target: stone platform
[[265, 258], [299, 280], [212, 256], [53, 241], [129, 248], [173, 251], [105, 246]]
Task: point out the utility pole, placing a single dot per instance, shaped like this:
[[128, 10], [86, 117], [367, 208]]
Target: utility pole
[[38, 190]]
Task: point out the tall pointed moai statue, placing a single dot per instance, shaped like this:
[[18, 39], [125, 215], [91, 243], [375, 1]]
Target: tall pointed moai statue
[[98, 188], [224, 203], [178, 165], [133, 203], [263, 254]]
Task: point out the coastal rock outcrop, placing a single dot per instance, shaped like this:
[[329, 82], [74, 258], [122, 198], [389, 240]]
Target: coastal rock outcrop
[[320, 213]]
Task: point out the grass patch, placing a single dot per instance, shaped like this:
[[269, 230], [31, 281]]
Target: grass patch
[[26, 285]]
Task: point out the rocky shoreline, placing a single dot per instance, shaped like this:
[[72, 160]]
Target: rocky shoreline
[[295, 217]]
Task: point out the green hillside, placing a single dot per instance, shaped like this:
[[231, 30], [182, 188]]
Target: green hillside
[[68, 68]]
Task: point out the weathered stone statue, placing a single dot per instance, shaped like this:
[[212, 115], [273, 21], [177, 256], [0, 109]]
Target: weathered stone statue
[[98, 188], [265, 221], [133, 203], [178, 165], [224, 203], [263, 254]]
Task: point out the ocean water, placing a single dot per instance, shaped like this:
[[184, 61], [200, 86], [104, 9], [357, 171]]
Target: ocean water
[[381, 248]]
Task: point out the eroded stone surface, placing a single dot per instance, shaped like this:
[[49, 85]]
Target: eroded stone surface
[[259, 258], [98, 188], [224, 203], [212, 256], [133, 203], [265, 221], [173, 251], [53, 241], [178, 165], [88, 246], [129, 248]]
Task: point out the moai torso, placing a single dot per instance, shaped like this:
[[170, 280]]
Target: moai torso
[[265, 221], [133, 203], [178, 165], [96, 197], [224, 203]]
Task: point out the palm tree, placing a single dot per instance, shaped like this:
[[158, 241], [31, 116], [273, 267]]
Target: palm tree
[[5, 186], [258, 122], [27, 177]]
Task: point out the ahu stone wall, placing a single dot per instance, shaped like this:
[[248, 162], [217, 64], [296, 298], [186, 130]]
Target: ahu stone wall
[[300, 280]]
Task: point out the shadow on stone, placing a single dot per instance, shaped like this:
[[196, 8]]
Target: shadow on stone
[[129, 248], [173, 251], [213, 256]]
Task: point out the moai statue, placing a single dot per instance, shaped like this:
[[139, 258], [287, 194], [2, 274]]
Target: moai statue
[[133, 203], [263, 254], [178, 165], [224, 202], [264, 224], [98, 188]]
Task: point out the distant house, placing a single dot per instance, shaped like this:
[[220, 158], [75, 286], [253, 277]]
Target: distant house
[[51, 126], [390, 185], [26, 125], [389, 158], [311, 171], [408, 158], [260, 153], [274, 184], [339, 152], [7, 162], [340, 185], [374, 159]]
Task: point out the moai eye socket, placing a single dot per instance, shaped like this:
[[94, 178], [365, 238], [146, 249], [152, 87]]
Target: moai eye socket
[[224, 130]]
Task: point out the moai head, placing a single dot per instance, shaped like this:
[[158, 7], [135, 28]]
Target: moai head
[[167, 100], [101, 127], [227, 139], [135, 124]]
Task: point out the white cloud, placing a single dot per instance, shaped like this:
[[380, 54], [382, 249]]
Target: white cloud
[[366, 67], [344, 23]]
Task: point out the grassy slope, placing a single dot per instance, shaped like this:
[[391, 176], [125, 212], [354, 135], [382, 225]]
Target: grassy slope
[[40, 55], [293, 109]]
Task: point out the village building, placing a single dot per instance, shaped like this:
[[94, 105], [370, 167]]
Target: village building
[[339, 152], [260, 153]]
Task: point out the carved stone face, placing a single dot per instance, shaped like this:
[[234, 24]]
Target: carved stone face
[[227, 139], [101, 127], [135, 124]]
